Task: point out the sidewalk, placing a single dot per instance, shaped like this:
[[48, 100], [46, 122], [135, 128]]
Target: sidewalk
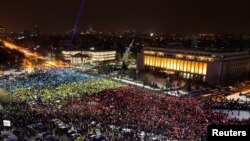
[[136, 84]]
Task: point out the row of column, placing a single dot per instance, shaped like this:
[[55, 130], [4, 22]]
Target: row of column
[[176, 64]]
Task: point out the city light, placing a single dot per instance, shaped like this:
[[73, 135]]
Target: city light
[[26, 52], [110, 70], [27, 62]]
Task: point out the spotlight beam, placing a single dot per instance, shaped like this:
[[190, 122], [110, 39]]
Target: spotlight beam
[[76, 25]]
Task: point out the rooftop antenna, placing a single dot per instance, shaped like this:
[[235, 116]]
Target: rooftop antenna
[[76, 24]]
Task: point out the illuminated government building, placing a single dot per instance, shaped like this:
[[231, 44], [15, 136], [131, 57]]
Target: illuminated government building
[[211, 67], [89, 56]]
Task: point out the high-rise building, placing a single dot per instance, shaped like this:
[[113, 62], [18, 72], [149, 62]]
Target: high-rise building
[[36, 31], [2, 31], [215, 68]]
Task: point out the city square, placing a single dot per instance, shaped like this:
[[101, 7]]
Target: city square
[[123, 71]]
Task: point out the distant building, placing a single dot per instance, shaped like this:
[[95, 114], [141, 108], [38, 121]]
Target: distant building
[[89, 56], [90, 30], [215, 68], [2, 31], [36, 31]]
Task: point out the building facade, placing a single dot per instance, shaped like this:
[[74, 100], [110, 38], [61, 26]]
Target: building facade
[[213, 68], [2, 31], [89, 56]]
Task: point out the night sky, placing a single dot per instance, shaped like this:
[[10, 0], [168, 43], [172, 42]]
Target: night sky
[[172, 16]]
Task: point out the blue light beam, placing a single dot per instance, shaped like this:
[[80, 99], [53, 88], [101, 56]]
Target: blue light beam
[[76, 25]]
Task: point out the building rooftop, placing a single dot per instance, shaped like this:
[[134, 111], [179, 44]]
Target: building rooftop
[[95, 50], [194, 53], [198, 50]]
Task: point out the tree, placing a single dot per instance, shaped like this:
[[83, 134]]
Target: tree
[[127, 58], [124, 66]]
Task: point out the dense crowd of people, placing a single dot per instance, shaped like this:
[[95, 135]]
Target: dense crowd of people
[[138, 110], [53, 86], [102, 106], [59, 95], [227, 105], [132, 108], [45, 77], [126, 113]]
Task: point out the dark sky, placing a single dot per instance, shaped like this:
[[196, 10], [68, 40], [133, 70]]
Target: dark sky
[[173, 16]]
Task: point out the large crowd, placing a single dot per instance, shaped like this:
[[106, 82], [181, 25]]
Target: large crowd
[[59, 95], [44, 77], [118, 112], [135, 109], [125, 113], [53, 86]]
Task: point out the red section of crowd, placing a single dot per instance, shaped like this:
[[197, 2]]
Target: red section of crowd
[[140, 110]]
